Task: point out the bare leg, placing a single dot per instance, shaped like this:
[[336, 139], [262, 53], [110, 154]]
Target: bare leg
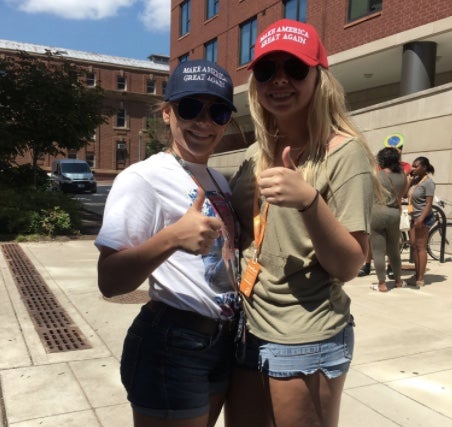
[[306, 401], [140, 420], [420, 257], [207, 420], [412, 236], [247, 402], [216, 403]]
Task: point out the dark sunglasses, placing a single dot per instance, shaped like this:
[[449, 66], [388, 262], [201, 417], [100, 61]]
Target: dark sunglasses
[[265, 69], [190, 108]]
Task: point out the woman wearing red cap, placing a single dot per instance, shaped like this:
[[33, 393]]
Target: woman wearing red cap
[[303, 195]]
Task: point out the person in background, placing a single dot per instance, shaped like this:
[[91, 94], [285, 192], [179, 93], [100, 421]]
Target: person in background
[[397, 141], [168, 219], [385, 231], [303, 195], [420, 200]]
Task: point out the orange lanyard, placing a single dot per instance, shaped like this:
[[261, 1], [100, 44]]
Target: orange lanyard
[[259, 223], [251, 272]]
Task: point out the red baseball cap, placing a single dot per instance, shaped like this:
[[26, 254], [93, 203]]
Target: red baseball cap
[[294, 37]]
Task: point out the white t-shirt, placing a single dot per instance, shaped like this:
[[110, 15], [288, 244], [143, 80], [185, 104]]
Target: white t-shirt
[[157, 192]]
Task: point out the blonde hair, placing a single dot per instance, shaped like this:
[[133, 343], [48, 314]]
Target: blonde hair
[[327, 114]]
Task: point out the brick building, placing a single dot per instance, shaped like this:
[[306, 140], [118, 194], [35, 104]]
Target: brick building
[[131, 87], [393, 57]]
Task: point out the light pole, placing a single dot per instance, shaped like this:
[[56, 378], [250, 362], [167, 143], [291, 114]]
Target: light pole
[[140, 134]]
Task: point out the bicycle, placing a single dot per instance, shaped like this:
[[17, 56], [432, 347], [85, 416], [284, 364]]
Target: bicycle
[[438, 231], [435, 234]]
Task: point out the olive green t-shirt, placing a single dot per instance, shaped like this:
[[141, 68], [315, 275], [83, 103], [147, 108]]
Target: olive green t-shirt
[[295, 300]]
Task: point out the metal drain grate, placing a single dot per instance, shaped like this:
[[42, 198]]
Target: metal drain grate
[[54, 326], [138, 296]]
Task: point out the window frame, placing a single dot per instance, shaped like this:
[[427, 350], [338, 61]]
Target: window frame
[[211, 45], [183, 58], [212, 8], [121, 116], [185, 17], [90, 79], [148, 85], [373, 6], [301, 10], [121, 82], [251, 25], [90, 158]]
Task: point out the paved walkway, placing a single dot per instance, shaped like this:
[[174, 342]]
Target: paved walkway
[[401, 373]]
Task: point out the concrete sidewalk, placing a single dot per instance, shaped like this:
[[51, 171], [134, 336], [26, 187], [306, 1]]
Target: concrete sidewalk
[[401, 373]]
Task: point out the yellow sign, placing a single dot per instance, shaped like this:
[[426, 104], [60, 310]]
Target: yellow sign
[[395, 140]]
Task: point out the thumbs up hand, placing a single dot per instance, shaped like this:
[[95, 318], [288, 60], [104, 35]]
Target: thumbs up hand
[[287, 159], [285, 185], [196, 232]]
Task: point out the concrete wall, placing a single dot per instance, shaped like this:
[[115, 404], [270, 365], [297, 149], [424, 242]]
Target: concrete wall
[[424, 118]]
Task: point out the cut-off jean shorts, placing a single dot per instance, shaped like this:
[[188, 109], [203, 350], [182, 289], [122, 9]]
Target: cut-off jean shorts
[[428, 221], [170, 371], [331, 356]]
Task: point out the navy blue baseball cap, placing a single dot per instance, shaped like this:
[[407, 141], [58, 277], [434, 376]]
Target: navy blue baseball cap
[[200, 77]]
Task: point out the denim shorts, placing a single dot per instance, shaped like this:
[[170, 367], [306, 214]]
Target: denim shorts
[[428, 221], [170, 371], [331, 356]]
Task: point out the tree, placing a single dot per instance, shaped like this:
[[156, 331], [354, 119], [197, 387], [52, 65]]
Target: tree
[[157, 133], [45, 107]]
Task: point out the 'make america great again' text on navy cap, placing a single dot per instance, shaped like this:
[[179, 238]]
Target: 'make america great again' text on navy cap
[[200, 77]]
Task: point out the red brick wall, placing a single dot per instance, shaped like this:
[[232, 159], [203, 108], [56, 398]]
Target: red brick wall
[[397, 16], [328, 16]]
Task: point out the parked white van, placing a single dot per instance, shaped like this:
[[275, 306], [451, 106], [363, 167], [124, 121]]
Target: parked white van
[[72, 175]]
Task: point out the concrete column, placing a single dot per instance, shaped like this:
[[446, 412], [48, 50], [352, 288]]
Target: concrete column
[[418, 67]]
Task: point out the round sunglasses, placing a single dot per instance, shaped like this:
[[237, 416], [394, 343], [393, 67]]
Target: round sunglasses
[[190, 108], [265, 69]]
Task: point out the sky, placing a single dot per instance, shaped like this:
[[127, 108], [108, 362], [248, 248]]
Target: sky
[[127, 28]]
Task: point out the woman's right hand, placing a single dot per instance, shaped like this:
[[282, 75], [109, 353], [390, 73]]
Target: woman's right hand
[[196, 232], [122, 271]]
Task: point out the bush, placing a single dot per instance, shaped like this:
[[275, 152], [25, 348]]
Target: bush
[[30, 211], [51, 222], [22, 176]]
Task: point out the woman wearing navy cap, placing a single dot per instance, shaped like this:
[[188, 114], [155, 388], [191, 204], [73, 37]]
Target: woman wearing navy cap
[[168, 220], [303, 196]]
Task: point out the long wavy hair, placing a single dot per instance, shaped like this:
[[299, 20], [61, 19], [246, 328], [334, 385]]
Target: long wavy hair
[[327, 114]]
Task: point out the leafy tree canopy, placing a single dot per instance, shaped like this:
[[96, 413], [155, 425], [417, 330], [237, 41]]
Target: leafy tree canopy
[[45, 107], [157, 133]]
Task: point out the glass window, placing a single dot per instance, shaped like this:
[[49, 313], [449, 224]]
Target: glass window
[[121, 118], [121, 83], [150, 86], [90, 159], [121, 154], [248, 33], [185, 17], [361, 8], [164, 88], [90, 79], [184, 57], [295, 9], [212, 8], [211, 50]]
